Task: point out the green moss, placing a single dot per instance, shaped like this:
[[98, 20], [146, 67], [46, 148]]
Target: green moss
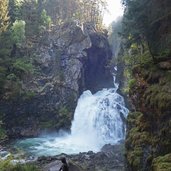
[[162, 163], [134, 157], [137, 120], [131, 83], [47, 124], [138, 137], [158, 97], [149, 132]]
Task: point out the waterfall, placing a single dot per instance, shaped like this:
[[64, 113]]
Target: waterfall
[[99, 117], [98, 120]]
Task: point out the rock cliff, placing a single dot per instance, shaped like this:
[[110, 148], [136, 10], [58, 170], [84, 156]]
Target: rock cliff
[[67, 60], [148, 142]]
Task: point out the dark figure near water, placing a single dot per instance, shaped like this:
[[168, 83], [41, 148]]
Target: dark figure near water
[[64, 166]]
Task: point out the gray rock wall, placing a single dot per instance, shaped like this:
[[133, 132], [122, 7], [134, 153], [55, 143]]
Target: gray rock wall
[[67, 61]]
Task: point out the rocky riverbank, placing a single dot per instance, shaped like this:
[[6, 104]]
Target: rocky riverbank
[[111, 158]]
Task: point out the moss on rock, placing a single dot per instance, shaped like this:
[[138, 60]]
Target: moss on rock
[[149, 129], [162, 163]]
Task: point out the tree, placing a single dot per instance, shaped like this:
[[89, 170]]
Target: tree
[[80, 10], [14, 10], [4, 18], [29, 11], [148, 22], [18, 32]]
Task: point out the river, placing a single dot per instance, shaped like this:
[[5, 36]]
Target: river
[[98, 120]]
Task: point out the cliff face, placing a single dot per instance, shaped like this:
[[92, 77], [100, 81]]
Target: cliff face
[[65, 62], [148, 142], [97, 71]]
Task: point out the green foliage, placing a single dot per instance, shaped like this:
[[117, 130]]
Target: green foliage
[[18, 32], [2, 78], [157, 94], [162, 163], [45, 19], [12, 77], [134, 158], [82, 11], [131, 83], [147, 21], [25, 167], [6, 165], [14, 10], [6, 46], [158, 97], [30, 15], [137, 138], [153, 97], [22, 66]]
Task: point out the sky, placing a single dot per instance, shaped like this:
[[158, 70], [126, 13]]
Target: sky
[[115, 10]]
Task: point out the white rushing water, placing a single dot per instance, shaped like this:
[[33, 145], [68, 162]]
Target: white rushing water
[[98, 120]]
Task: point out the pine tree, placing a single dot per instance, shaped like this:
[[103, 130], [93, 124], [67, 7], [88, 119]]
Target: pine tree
[[15, 10]]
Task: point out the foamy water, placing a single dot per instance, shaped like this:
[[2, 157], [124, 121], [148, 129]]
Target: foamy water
[[98, 120]]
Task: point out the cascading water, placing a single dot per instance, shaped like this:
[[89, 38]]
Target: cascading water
[[98, 120]]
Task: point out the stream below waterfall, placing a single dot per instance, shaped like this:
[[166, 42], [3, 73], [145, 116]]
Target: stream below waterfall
[[99, 119]]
